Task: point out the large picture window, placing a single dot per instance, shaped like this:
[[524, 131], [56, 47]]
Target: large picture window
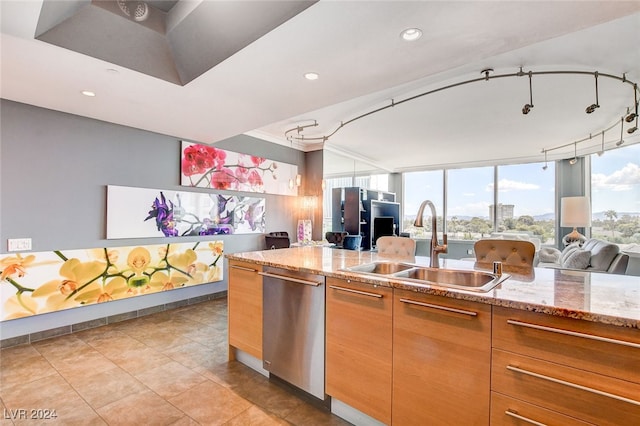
[[615, 197], [526, 201], [469, 199], [420, 186]]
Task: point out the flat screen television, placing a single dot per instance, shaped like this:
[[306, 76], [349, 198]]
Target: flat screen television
[[382, 226]]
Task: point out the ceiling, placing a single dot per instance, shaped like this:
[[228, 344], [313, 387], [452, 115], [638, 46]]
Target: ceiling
[[364, 65]]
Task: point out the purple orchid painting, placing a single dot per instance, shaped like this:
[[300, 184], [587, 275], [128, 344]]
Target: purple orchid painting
[[141, 212]]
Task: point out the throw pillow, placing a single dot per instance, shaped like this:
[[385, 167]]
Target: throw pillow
[[567, 251], [577, 259], [549, 255]]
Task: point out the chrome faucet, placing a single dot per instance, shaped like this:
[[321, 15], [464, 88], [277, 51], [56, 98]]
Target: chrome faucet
[[436, 248]]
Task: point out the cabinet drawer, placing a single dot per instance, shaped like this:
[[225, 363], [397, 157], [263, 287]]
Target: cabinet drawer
[[605, 349], [577, 393], [506, 411]]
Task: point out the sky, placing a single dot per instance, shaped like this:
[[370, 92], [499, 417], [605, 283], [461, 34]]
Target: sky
[[616, 180]]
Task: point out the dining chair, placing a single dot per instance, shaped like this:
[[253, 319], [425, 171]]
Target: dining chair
[[396, 246], [509, 252]]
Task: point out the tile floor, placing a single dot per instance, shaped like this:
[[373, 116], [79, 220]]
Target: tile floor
[[168, 368]]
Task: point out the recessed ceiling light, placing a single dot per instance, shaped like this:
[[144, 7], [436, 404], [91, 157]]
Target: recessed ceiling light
[[88, 93], [311, 76], [411, 34]]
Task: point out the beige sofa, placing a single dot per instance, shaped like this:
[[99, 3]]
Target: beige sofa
[[594, 255]]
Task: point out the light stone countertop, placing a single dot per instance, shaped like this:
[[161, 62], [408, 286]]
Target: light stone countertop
[[599, 297]]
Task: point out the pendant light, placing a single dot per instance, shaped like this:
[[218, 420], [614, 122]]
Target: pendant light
[[591, 108], [574, 160], [621, 141], [527, 107], [601, 152]]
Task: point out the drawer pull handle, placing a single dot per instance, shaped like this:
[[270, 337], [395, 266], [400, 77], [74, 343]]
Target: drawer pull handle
[[292, 279], [573, 385], [523, 418], [350, 290], [574, 333], [242, 268], [442, 308]]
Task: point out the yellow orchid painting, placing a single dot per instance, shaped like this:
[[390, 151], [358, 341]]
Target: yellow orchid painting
[[41, 282]]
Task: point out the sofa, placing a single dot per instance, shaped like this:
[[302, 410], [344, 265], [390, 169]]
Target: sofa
[[594, 256]]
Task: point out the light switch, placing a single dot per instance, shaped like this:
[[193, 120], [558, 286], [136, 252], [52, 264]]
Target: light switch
[[19, 244]]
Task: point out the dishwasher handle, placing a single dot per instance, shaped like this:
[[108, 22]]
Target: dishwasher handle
[[292, 279]]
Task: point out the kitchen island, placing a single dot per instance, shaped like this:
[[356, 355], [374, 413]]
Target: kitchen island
[[545, 345]]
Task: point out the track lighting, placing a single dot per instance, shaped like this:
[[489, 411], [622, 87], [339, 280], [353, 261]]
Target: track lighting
[[601, 152], [545, 161], [527, 107], [621, 141], [593, 107], [574, 160], [633, 115], [487, 74]]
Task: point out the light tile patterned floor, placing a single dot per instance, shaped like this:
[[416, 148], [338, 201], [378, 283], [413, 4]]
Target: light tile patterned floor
[[168, 368]]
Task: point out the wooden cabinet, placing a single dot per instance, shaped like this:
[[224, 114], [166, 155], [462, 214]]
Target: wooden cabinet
[[359, 346], [441, 360], [560, 366], [245, 308]]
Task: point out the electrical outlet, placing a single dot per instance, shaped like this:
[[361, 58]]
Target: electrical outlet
[[19, 244], [469, 251]]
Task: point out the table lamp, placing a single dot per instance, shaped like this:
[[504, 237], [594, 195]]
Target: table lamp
[[575, 212]]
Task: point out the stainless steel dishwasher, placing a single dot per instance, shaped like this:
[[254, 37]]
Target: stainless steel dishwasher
[[293, 328]]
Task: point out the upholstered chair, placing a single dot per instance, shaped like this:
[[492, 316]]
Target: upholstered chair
[[509, 252], [396, 246], [276, 240]]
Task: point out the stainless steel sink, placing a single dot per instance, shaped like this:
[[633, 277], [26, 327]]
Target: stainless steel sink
[[467, 280], [455, 278], [380, 268]]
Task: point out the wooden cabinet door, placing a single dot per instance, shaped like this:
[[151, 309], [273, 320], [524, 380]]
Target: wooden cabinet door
[[441, 360], [245, 308], [359, 346]]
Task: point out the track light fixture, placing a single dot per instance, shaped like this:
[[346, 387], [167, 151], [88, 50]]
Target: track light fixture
[[621, 141], [574, 160], [527, 107], [634, 115], [545, 161], [593, 107], [487, 74], [601, 152]]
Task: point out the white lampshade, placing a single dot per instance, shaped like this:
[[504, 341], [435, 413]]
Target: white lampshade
[[575, 212]]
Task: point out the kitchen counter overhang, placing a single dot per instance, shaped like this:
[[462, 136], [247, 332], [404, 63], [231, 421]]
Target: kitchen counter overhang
[[598, 297]]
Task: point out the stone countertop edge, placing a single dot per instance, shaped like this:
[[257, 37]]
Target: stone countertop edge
[[314, 260]]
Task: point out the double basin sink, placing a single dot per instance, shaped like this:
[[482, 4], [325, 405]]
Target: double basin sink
[[455, 278]]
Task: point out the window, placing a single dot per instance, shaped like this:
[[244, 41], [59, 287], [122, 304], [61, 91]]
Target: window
[[420, 186], [469, 199], [526, 200], [615, 197]]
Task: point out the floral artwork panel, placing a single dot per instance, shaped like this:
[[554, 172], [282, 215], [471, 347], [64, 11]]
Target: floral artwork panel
[[42, 282], [143, 212], [205, 166]]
